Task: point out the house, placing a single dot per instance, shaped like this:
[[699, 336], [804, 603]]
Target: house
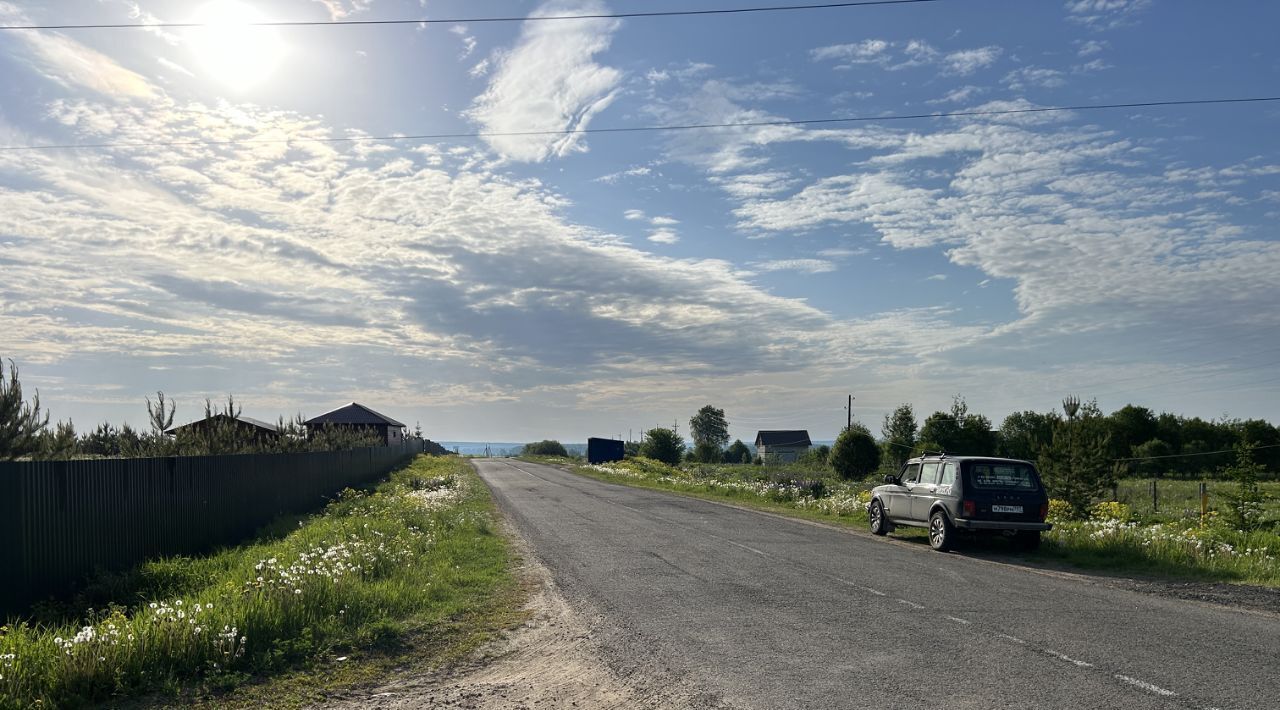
[[359, 417], [784, 446], [244, 426]]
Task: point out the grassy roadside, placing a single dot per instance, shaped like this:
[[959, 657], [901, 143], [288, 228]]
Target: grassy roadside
[[340, 598], [1115, 539]]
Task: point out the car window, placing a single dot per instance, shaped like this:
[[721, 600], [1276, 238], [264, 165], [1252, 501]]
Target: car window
[[912, 473], [1013, 476], [948, 474], [929, 473]]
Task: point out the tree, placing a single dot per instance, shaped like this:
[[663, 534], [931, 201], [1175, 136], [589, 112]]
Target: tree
[[58, 444], [20, 422], [709, 426], [1023, 434], [959, 432], [1245, 503], [816, 457], [707, 452], [1131, 426], [546, 447], [855, 453], [161, 417], [1076, 463], [663, 445], [899, 431], [1152, 457], [737, 452]]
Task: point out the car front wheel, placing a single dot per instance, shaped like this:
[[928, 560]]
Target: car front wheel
[[941, 534], [879, 524]]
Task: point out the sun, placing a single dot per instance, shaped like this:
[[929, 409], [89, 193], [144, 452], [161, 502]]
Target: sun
[[230, 49]]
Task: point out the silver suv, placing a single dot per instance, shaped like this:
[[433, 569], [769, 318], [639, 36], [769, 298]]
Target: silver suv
[[970, 493]]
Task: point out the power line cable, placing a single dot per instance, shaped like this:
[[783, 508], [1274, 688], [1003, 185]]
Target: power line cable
[[643, 129], [458, 20], [1199, 453]]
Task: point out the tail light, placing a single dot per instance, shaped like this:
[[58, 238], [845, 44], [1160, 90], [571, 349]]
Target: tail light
[[970, 508], [1044, 511]]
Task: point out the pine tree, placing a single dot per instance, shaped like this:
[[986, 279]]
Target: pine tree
[[21, 422]]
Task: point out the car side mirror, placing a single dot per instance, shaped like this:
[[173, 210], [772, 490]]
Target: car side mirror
[[891, 479]]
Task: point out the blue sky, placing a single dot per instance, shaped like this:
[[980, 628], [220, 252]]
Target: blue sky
[[568, 286]]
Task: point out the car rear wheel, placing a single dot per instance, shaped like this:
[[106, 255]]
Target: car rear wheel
[[1027, 540], [880, 525], [941, 533]]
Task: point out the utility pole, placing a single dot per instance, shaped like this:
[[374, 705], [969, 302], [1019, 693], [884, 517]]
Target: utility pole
[[849, 412]]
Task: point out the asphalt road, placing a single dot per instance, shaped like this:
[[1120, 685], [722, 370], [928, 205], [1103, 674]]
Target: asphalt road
[[755, 611]]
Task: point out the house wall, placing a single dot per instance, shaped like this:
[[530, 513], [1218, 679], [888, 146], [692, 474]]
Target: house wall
[[784, 454]]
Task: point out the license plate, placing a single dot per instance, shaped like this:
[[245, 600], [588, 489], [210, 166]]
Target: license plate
[[1006, 509]]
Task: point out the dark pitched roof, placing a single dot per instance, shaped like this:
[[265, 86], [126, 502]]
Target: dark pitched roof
[[245, 420], [790, 437], [353, 414]]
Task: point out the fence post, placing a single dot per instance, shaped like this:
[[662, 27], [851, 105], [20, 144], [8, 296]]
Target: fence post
[[1155, 497], [1204, 502]]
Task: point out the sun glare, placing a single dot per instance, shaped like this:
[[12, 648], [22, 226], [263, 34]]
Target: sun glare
[[230, 49]]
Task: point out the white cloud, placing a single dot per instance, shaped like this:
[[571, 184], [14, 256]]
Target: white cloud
[[72, 64], [1091, 47], [468, 40], [937, 277], [549, 82], [968, 61], [174, 66], [807, 266], [1059, 209], [634, 214], [480, 69], [663, 236], [868, 51], [842, 252], [1105, 14], [342, 9], [634, 171], [903, 55], [1041, 77], [958, 95], [664, 221]]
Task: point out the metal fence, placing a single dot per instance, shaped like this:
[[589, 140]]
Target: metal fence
[[61, 521]]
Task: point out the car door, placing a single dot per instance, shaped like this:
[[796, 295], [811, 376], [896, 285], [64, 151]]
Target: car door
[[897, 506], [924, 491]]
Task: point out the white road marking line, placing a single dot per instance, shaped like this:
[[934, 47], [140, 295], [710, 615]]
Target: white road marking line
[[876, 592], [1068, 659], [913, 605], [1149, 687], [958, 620], [1014, 639]]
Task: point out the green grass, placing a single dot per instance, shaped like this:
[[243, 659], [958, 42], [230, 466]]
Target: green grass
[[415, 565], [1177, 499], [1118, 539]]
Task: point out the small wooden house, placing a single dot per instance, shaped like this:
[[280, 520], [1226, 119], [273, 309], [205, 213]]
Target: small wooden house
[[782, 445], [359, 417]]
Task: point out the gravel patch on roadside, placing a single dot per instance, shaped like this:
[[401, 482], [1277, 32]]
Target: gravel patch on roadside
[[551, 661]]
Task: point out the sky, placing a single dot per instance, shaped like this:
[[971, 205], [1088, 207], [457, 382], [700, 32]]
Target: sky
[[595, 284]]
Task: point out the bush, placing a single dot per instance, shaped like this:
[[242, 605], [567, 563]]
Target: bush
[[737, 453], [663, 445], [546, 447], [855, 453]]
